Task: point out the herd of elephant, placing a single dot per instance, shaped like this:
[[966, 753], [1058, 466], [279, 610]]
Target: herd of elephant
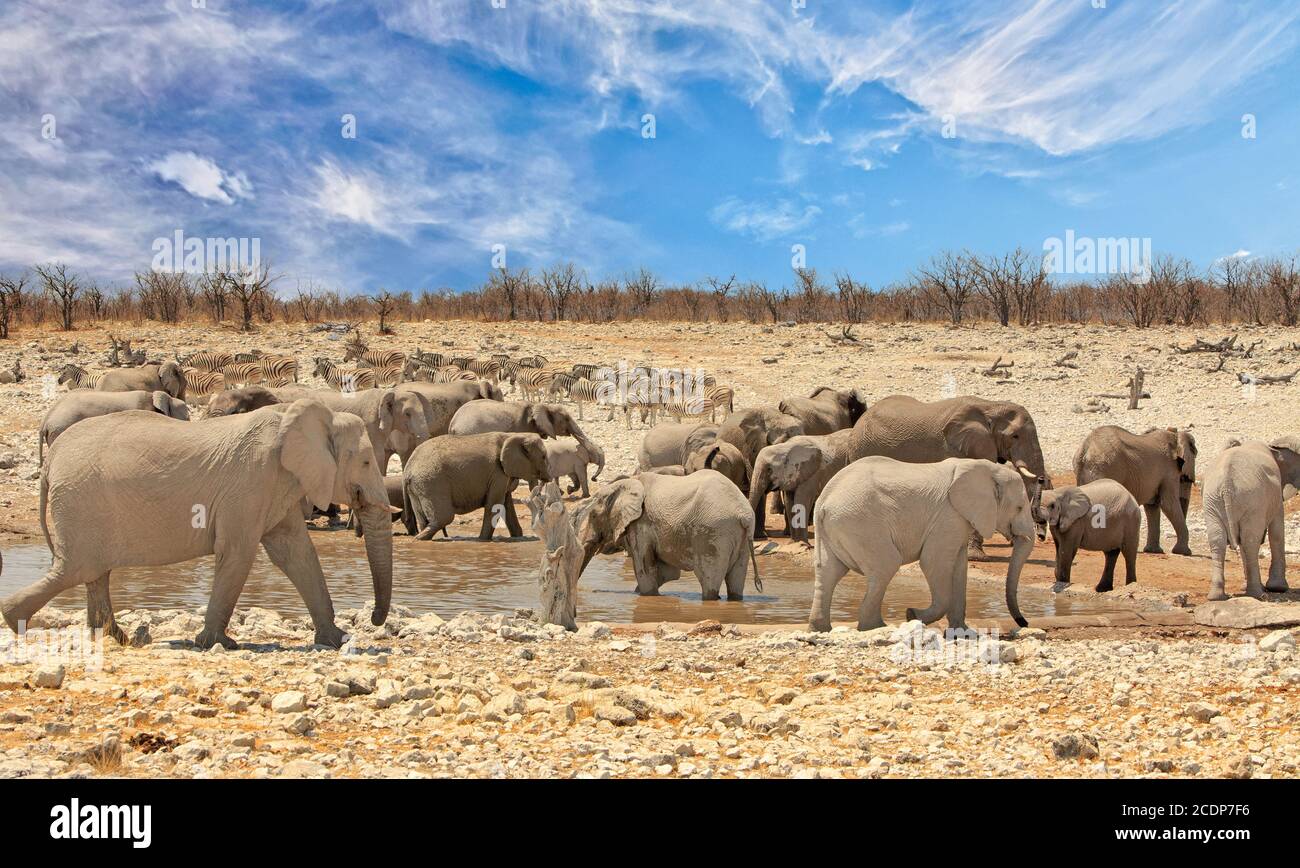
[[127, 479]]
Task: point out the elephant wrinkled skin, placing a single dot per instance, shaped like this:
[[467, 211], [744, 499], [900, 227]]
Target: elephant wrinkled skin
[[85, 404], [1099, 516], [799, 468]]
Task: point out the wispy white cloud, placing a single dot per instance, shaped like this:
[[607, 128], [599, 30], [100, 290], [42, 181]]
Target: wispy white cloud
[[201, 177], [763, 221]]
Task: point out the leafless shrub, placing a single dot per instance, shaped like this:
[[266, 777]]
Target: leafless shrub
[[61, 289], [11, 300], [1282, 281], [949, 282]]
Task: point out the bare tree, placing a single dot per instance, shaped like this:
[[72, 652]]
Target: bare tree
[[1238, 280], [249, 287], [949, 282], [61, 289], [559, 283], [1011, 282], [11, 300], [1182, 294], [385, 305], [1283, 285], [163, 293], [811, 294], [510, 285], [720, 291], [853, 297], [643, 288]]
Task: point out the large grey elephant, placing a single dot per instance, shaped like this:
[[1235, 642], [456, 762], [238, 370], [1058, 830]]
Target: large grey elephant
[[672, 444], [724, 458], [826, 410], [222, 487], [229, 402], [1157, 467], [456, 474], [545, 420], [799, 468], [752, 429], [384, 411], [667, 524], [1100, 516], [1242, 497], [440, 402], [76, 406], [878, 514], [167, 377]]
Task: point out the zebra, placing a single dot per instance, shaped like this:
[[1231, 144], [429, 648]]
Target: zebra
[[533, 362], [207, 360], [374, 358], [509, 372], [561, 383], [601, 393], [79, 378], [389, 376], [432, 360], [453, 374], [534, 381], [461, 362], [487, 370], [243, 373], [585, 372], [201, 384], [722, 397], [250, 356], [345, 379], [279, 370], [696, 407]]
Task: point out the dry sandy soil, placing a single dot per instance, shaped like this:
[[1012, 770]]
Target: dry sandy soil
[[478, 696]]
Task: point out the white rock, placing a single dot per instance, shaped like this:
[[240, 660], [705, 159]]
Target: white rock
[[49, 675], [289, 701], [1277, 640]]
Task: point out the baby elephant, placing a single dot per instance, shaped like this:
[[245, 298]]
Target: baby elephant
[[1099, 516], [455, 474], [570, 458]]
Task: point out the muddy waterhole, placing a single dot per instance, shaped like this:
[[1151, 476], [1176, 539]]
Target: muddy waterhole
[[451, 576]]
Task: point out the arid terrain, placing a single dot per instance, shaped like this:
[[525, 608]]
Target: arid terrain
[[1162, 685]]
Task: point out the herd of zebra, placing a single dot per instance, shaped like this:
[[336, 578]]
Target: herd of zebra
[[644, 390]]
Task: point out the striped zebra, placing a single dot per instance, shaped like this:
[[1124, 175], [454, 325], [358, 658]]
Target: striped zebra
[[561, 383], [374, 358], [243, 373], [433, 360], [602, 393], [509, 372], [487, 369], [696, 407], [723, 397], [533, 362], [453, 374], [79, 378], [389, 376], [207, 360], [202, 384], [534, 381], [344, 379], [250, 356], [461, 362], [585, 372], [279, 370]]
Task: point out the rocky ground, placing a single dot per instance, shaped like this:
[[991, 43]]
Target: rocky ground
[[1179, 691]]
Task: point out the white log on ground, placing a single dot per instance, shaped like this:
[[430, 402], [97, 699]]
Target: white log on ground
[[561, 563]]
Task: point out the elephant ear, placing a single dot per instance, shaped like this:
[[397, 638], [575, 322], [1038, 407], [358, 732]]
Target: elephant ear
[[386, 410], [161, 402], [625, 506], [541, 418], [1290, 441], [806, 457], [968, 435], [306, 447], [1073, 505], [974, 494], [514, 458], [173, 379]]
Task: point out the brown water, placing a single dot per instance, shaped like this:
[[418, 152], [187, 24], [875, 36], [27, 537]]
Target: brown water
[[451, 576]]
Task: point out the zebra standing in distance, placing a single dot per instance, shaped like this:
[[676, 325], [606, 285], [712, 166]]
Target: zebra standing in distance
[[602, 393], [487, 370], [206, 360], [202, 384], [243, 373], [79, 378], [534, 381], [344, 379], [279, 370], [373, 358]]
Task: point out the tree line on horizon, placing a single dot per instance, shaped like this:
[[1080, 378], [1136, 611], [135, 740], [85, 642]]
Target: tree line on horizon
[[954, 287]]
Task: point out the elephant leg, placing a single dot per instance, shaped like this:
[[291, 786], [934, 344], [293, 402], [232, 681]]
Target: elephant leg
[[880, 573], [19, 607], [1218, 539], [827, 572], [800, 516], [583, 482], [736, 575], [1248, 545], [1172, 507], [1130, 550], [940, 570], [576, 484], [667, 573], [1065, 553], [645, 566], [957, 597], [1107, 582], [290, 549], [234, 559], [1153, 530], [975, 548], [1277, 554], [512, 518], [99, 607], [760, 519]]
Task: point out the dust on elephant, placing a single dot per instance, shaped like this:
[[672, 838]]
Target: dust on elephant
[[826, 410], [878, 514], [167, 377], [667, 524], [673, 444], [222, 487], [570, 458], [1157, 467], [1242, 497], [1100, 516], [799, 468], [440, 402], [230, 402], [76, 406], [384, 412], [456, 474]]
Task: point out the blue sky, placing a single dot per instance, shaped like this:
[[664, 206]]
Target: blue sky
[[776, 123]]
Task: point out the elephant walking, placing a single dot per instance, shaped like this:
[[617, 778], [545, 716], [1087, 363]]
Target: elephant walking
[[667, 524], [799, 469], [1242, 499], [878, 514], [223, 487], [1157, 467], [1100, 516]]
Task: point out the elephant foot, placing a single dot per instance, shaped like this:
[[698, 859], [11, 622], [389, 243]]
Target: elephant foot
[[735, 598], [426, 534], [1257, 593], [1216, 595], [117, 633], [760, 534], [1182, 549], [1153, 550], [207, 638], [710, 596], [1277, 586], [1060, 586], [818, 625], [1103, 587], [330, 636], [11, 617], [977, 553]]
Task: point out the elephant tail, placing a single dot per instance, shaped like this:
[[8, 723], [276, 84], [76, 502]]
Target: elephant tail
[[408, 513], [758, 581], [40, 446], [44, 499], [1233, 532]]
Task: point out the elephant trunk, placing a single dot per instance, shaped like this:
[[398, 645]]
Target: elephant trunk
[[377, 523], [588, 552], [759, 485], [1021, 546]]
